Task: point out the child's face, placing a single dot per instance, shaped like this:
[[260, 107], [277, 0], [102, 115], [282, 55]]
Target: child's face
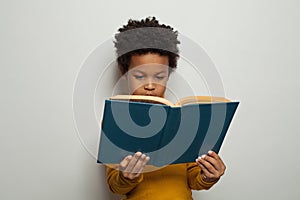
[[148, 74]]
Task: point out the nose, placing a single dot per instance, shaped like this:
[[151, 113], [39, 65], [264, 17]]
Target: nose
[[149, 86]]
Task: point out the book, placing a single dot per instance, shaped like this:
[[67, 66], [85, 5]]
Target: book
[[168, 133]]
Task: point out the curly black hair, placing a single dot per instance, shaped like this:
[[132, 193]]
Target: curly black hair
[[146, 36]]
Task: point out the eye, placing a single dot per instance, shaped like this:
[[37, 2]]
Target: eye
[[160, 77], [139, 77]]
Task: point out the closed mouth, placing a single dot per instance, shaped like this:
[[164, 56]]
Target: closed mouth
[[150, 94]]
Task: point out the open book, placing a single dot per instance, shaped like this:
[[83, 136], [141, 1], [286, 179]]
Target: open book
[[181, 102], [168, 133]]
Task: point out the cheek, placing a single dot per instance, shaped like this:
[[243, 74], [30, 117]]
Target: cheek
[[160, 88], [134, 85], [162, 84]]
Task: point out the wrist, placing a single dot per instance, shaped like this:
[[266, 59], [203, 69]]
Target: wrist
[[208, 180], [126, 179]]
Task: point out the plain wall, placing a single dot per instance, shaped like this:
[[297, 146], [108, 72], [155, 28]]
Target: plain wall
[[254, 45]]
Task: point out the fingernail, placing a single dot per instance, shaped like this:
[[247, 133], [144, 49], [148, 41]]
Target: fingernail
[[203, 156], [138, 153]]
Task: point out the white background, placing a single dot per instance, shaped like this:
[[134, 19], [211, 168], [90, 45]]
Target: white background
[[254, 44]]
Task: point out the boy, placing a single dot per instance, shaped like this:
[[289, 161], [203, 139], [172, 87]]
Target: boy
[[147, 70]]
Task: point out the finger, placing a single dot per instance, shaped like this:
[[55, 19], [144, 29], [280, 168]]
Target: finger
[[124, 163], [215, 160], [207, 161], [221, 166], [212, 160], [213, 154], [144, 163], [136, 172], [216, 156], [205, 171], [139, 166], [133, 161], [208, 165]]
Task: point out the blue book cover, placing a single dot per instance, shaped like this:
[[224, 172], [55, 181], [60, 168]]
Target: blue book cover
[[167, 134]]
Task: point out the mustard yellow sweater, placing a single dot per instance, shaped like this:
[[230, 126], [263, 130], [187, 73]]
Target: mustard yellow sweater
[[171, 182]]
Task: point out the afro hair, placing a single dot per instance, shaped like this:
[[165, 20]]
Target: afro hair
[[143, 37]]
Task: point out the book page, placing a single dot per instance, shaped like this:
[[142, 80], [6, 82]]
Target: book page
[[200, 99], [143, 98]]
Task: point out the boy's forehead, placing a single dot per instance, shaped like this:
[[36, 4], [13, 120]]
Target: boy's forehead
[[150, 68], [149, 58], [150, 62]]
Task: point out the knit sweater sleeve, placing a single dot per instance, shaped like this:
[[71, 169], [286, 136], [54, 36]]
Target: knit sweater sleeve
[[118, 183], [194, 177]]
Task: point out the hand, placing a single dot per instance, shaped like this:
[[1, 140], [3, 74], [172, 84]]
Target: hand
[[132, 166], [212, 166]]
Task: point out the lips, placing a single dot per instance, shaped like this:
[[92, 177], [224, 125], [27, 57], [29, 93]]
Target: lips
[[150, 94]]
